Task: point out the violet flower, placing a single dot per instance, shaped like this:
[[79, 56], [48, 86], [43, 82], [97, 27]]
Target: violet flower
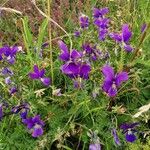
[[84, 21], [102, 24], [94, 147], [9, 53], [100, 12], [8, 80], [129, 131], [35, 125], [39, 75], [13, 90], [77, 33], [116, 138], [7, 71], [112, 81], [91, 51], [73, 66], [22, 109], [123, 38]]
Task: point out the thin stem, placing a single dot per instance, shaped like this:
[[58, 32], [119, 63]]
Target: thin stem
[[11, 10], [141, 41], [50, 40]]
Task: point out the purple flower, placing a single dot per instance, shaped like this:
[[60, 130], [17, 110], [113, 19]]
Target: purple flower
[[77, 33], [74, 66], [22, 109], [143, 27], [91, 51], [39, 75], [112, 81], [65, 55], [35, 125], [123, 38], [126, 33], [100, 12], [102, 34], [9, 53], [129, 131], [84, 21], [76, 70], [8, 80], [102, 23], [95, 147], [116, 138], [7, 71], [13, 90]]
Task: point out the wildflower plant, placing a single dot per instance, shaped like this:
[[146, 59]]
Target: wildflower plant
[[77, 91]]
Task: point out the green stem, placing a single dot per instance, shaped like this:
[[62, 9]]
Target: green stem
[[140, 43], [50, 40]]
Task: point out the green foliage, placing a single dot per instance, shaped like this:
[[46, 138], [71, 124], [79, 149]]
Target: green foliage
[[70, 117]]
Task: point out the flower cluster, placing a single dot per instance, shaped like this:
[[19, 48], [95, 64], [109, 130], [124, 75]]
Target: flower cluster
[[34, 124], [75, 67], [8, 53], [123, 38], [101, 22]]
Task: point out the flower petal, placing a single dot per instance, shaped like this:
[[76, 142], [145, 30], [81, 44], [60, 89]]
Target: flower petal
[[95, 147], [46, 81], [106, 85], [112, 91], [116, 36], [71, 69], [37, 131], [75, 54], [126, 33], [34, 75], [84, 71], [65, 55], [108, 72], [130, 137], [116, 138], [121, 77], [128, 48]]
